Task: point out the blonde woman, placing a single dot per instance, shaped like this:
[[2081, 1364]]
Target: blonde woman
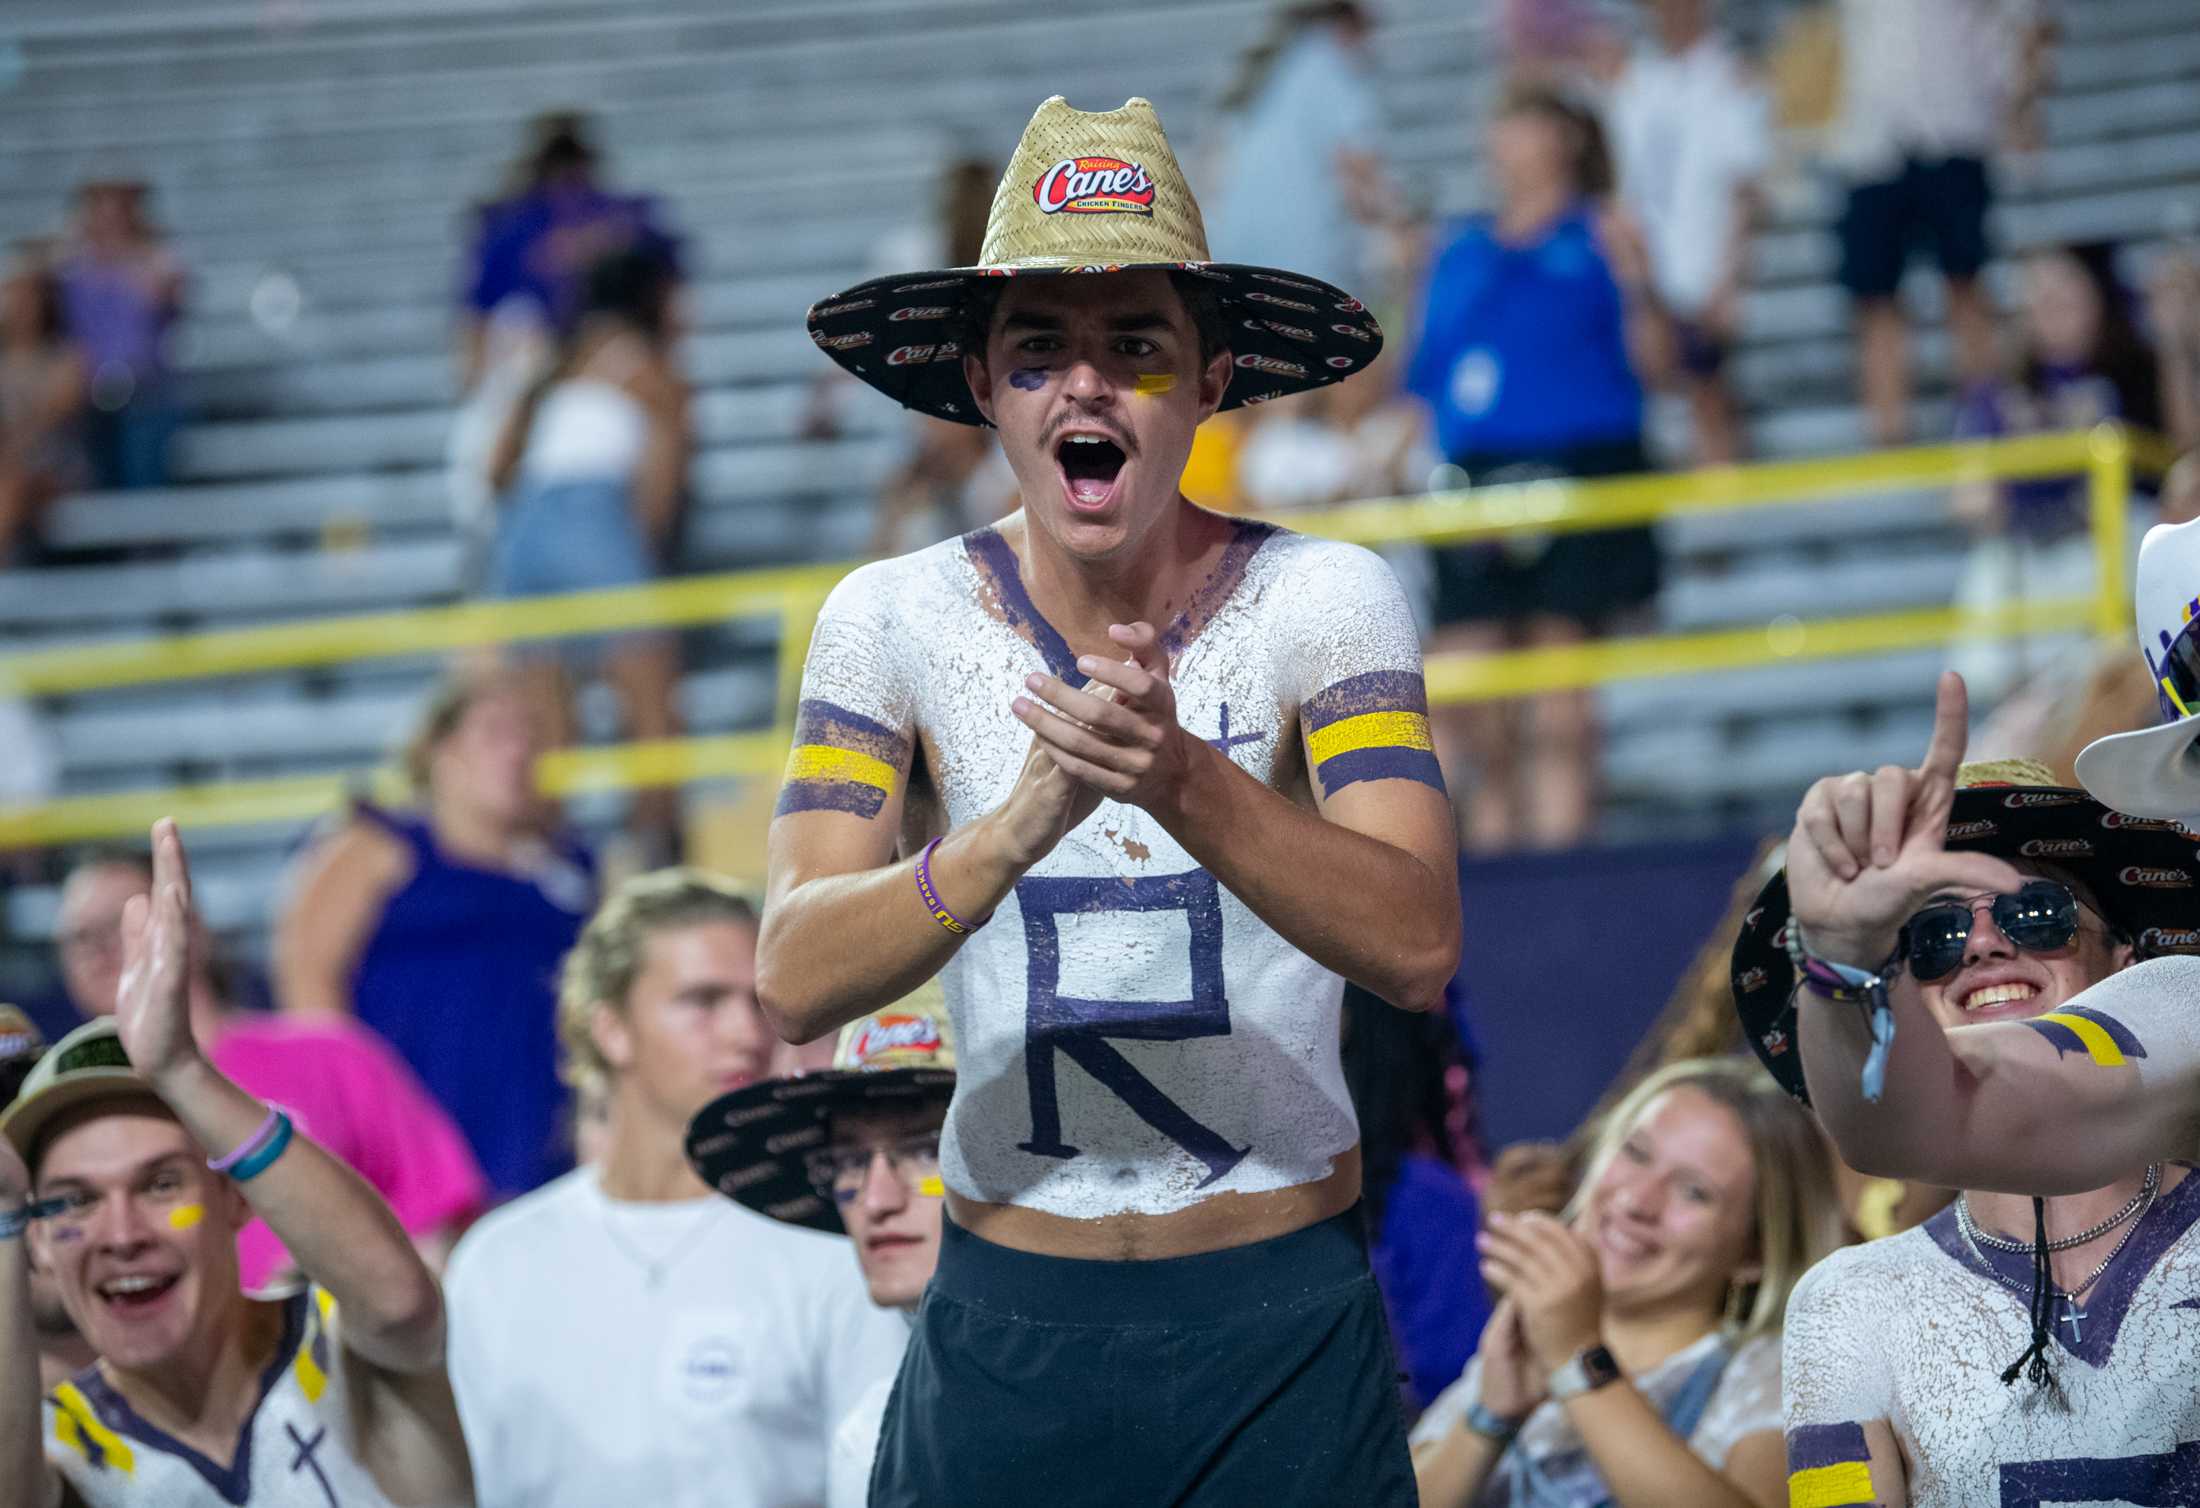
[[1635, 1357]]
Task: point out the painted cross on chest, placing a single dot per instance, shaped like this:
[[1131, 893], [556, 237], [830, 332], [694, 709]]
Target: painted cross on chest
[[2072, 1316], [1225, 741]]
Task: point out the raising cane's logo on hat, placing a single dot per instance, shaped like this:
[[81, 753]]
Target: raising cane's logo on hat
[[2124, 822], [2018, 801], [1094, 186], [893, 1034], [1274, 366], [2160, 879], [2170, 940], [2057, 848], [1958, 831]]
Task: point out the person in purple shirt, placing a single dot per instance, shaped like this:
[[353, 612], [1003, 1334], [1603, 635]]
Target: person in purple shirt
[[534, 245], [122, 289]]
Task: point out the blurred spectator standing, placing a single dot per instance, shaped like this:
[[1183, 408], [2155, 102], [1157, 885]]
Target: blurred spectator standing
[[1928, 93], [339, 1082], [2081, 359], [62, 1351], [441, 928], [555, 221], [591, 473], [943, 485], [123, 290], [627, 1335], [1691, 133], [2173, 318], [1539, 318], [1421, 1216], [43, 389]]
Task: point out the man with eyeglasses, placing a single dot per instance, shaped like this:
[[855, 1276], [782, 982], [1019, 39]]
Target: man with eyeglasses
[[1953, 961], [854, 1150]]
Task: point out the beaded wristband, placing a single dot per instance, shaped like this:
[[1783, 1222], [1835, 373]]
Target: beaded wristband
[[14, 1222], [264, 1158], [1846, 984], [249, 1145], [931, 897]]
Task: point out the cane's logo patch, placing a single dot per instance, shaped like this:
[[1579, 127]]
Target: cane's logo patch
[[852, 340], [934, 311], [1775, 1042], [893, 1034], [2120, 821], [1094, 186], [1289, 332], [909, 356], [828, 311], [1269, 277], [2018, 801], [926, 287], [2158, 879], [1751, 979], [1959, 831], [2057, 848], [1256, 296], [1274, 366], [2170, 939]]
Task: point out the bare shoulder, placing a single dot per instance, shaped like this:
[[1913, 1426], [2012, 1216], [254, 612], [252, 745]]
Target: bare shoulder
[[359, 853]]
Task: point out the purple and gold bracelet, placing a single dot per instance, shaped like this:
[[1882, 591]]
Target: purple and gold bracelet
[[931, 897]]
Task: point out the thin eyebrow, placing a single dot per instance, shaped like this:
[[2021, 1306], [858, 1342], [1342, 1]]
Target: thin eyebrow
[[142, 1171]]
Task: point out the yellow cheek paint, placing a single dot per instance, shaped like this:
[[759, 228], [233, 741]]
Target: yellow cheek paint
[[932, 1187], [1154, 384], [183, 1217]]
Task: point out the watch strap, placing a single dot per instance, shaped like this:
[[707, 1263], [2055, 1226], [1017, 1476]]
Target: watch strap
[[1591, 1368]]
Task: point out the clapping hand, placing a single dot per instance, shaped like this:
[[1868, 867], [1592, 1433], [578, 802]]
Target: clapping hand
[[1549, 1272], [153, 1000], [1869, 849], [1119, 737]]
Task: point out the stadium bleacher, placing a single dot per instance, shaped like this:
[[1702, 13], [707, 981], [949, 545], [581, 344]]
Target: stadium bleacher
[[315, 173]]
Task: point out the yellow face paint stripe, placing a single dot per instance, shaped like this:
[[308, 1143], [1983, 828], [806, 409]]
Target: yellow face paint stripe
[[932, 1187], [824, 762], [2099, 1045], [1839, 1486], [1154, 384], [78, 1409], [183, 1217], [1370, 730]]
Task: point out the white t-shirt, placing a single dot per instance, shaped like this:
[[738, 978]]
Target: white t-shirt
[[1689, 130], [855, 1448], [1745, 1402], [1916, 1330], [579, 1384], [1129, 1035], [1925, 81], [299, 1445]]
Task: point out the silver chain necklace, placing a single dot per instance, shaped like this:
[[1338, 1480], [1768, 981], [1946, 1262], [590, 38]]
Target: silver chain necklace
[[654, 1268], [1980, 1236], [2074, 1313]]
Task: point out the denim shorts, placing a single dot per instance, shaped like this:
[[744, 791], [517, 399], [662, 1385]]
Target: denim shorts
[[578, 536], [1257, 1375]]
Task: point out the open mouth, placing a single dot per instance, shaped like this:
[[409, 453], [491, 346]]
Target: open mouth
[[1999, 994], [1091, 465], [137, 1293]]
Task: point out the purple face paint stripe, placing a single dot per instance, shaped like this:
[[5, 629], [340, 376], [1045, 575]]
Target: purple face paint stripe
[[1375, 691], [998, 561], [829, 796], [2065, 1040], [1356, 765], [2118, 1033], [1028, 379], [1811, 1446], [1216, 589]]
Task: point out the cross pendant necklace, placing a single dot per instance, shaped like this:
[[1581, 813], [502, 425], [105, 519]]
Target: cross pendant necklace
[[2072, 1316]]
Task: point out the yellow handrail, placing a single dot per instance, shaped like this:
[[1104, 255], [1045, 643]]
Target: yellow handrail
[[2107, 456]]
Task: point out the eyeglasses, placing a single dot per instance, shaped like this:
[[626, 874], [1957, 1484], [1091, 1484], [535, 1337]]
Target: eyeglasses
[[2042, 917], [840, 1172]]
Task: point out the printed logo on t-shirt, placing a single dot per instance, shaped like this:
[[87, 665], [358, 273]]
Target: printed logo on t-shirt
[[705, 1365], [1474, 381]]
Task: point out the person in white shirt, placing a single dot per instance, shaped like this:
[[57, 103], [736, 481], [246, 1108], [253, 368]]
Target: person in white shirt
[[808, 1150], [131, 1163], [623, 1335], [1692, 134]]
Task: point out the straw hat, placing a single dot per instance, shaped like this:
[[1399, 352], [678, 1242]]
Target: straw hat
[[2154, 772], [2143, 872], [753, 1145], [87, 1065], [1094, 192]]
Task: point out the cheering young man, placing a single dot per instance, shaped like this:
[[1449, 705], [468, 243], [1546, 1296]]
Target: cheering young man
[[1140, 782]]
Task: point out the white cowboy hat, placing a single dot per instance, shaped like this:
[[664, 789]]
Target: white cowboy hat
[[2155, 772]]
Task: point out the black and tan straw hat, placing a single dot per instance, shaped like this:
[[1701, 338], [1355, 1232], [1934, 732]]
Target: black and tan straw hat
[[754, 1145], [2143, 872], [86, 1065], [1089, 193], [21, 1045]]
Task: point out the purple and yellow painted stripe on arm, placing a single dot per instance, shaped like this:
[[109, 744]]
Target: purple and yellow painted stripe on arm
[[842, 762], [1829, 1466], [2080, 1028], [1371, 727]]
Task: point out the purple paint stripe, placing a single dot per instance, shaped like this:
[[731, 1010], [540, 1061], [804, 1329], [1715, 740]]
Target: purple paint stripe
[[829, 796], [816, 718], [2118, 1033], [1217, 588], [1374, 691], [2063, 1037], [1811, 1446], [1356, 765], [998, 561]]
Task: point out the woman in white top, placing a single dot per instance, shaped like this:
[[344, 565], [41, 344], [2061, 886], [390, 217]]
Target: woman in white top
[[591, 471], [1635, 1357]]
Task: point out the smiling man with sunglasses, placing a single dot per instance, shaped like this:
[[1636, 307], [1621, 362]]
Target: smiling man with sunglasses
[[1960, 980]]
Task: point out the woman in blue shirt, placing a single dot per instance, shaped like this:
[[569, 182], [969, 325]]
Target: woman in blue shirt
[[1538, 332]]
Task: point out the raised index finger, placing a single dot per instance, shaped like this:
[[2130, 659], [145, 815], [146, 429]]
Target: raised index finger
[[1951, 733]]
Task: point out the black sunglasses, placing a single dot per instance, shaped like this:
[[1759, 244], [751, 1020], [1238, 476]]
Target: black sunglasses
[[2039, 918]]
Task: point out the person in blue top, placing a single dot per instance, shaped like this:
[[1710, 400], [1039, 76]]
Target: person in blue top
[[1538, 333], [442, 928]]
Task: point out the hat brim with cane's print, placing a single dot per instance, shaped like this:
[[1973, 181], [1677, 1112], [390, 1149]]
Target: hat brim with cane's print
[[755, 1145], [2143, 872], [2155, 772], [1090, 194]]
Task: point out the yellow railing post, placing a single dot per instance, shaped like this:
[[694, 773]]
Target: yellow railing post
[[2108, 508]]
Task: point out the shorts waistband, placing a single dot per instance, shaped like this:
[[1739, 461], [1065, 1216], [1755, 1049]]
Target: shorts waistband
[[1203, 1288]]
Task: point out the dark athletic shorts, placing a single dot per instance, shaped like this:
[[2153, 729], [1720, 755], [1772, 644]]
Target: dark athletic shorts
[[1586, 578], [1938, 204], [1257, 1377]]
